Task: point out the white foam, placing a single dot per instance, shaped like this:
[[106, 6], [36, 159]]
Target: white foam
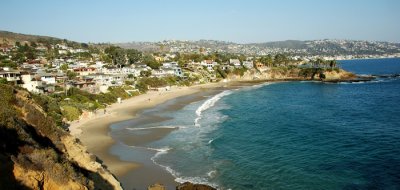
[[212, 173], [256, 86], [208, 104], [210, 141], [157, 127], [160, 150], [182, 179]]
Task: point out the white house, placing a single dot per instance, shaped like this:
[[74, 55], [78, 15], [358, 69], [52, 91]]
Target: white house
[[170, 64], [158, 73], [31, 83], [62, 51], [210, 64], [235, 62], [108, 80], [47, 78], [10, 75], [248, 64]]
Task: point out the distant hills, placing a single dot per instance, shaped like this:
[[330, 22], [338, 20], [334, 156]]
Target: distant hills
[[326, 47]]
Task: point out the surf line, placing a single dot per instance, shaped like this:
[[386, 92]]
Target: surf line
[[208, 104]]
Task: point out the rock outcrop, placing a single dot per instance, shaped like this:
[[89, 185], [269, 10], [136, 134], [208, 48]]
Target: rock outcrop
[[191, 186]]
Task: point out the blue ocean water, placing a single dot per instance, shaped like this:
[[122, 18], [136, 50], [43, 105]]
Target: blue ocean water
[[292, 135]]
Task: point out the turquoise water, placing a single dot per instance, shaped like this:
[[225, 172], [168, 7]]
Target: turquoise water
[[291, 135]]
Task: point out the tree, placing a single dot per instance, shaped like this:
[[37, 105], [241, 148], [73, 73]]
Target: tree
[[280, 60], [84, 45], [333, 63], [64, 67], [117, 54], [151, 62], [133, 56], [71, 75], [266, 60]]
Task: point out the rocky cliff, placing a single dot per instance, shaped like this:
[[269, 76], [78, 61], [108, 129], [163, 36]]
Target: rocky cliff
[[295, 73], [37, 154]]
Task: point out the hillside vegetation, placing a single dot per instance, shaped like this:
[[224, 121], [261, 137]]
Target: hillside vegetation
[[36, 154]]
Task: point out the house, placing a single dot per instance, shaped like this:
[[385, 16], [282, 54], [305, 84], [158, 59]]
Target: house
[[261, 67], [192, 65], [224, 67], [62, 51], [158, 73], [170, 64], [98, 65], [84, 71], [130, 70], [34, 63], [178, 72], [58, 63], [210, 64], [31, 83], [163, 72], [10, 75], [47, 78], [248, 64], [235, 62], [107, 80]]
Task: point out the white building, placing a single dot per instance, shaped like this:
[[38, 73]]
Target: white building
[[31, 83], [235, 62], [10, 75], [248, 64], [210, 64], [47, 78]]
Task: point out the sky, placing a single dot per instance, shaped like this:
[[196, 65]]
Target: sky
[[241, 21]]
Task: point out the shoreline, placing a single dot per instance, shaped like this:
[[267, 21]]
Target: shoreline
[[94, 130]]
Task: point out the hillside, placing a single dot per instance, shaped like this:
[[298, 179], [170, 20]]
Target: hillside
[[36, 154], [12, 37]]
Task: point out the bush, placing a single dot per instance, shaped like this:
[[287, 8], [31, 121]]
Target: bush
[[239, 71], [118, 92], [129, 82], [70, 113], [3, 81]]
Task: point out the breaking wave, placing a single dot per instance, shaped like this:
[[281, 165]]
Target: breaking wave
[[208, 104]]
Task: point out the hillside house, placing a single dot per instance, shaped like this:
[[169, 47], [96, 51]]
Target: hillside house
[[235, 62]]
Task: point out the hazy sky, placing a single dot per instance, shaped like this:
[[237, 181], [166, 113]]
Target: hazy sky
[[229, 20]]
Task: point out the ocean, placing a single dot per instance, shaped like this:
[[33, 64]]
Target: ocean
[[290, 135]]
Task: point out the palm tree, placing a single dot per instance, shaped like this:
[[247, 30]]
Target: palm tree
[[333, 64]]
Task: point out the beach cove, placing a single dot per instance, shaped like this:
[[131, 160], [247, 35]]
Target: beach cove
[[94, 133]]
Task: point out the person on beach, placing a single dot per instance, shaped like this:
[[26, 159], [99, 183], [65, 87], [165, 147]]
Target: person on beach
[[149, 99], [105, 111]]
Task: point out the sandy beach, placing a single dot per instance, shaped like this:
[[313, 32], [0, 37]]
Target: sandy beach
[[93, 131]]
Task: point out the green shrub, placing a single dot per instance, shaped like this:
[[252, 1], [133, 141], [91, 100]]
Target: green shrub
[[3, 81], [70, 113]]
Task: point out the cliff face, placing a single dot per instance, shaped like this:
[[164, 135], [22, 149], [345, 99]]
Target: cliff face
[[294, 74], [37, 154]]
